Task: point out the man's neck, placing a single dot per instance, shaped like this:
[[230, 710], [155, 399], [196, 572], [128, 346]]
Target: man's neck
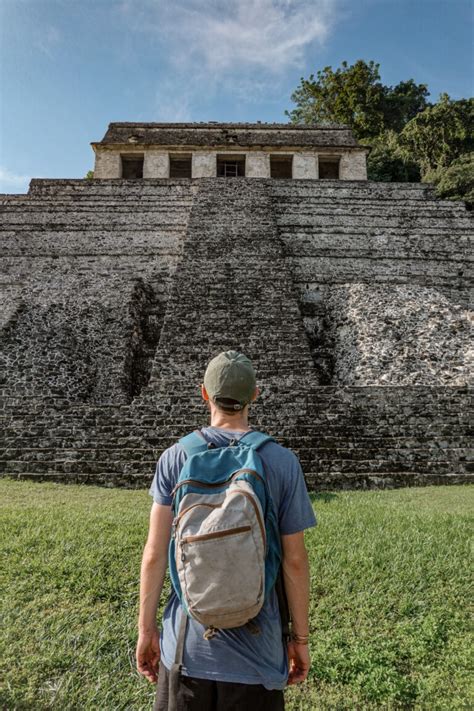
[[236, 423]]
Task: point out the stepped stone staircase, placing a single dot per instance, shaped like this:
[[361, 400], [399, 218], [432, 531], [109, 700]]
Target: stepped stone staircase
[[116, 294]]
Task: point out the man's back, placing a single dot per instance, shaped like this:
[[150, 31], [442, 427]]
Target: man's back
[[236, 654]]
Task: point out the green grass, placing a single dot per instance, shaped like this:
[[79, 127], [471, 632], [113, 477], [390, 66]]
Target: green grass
[[389, 615]]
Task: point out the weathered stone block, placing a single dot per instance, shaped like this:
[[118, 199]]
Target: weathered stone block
[[353, 166], [156, 164], [204, 165], [257, 165], [305, 166], [108, 164]]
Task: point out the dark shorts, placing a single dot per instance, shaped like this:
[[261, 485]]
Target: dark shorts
[[206, 695]]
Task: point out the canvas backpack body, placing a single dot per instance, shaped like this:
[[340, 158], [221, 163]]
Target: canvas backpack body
[[225, 550]]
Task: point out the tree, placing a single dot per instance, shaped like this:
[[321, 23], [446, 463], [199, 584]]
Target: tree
[[403, 102], [440, 134], [89, 175], [455, 182], [355, 96], [387, 162]]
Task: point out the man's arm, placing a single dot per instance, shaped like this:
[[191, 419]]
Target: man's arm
[[153, 571], [297, 585]]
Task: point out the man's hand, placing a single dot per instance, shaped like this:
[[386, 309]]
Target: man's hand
[[299, 662], [148, 654], [152, 575]]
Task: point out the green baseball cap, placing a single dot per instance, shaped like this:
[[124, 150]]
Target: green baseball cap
[[230, 376]]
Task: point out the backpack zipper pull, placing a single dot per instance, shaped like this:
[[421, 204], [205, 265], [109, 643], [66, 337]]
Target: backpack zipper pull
[[210, 632]]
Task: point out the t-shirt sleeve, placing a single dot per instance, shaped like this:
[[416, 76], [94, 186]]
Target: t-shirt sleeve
[[295, 512], [166, 475]]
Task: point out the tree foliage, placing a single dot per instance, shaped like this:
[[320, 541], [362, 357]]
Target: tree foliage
[[403, 102], [440, 134], [388, 162], [411, 139], [455, 182], [355, 96]]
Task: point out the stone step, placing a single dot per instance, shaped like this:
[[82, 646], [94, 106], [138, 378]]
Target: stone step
[[391, 191], [292, 206], [45, 187], [323, 466], [379, 222], [316, 481], [158, 438], [293, 203], [417, 454], [154, 203], [382, 480], [130, 220]]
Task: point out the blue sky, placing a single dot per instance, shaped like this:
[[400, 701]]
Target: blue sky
[[68, 67]]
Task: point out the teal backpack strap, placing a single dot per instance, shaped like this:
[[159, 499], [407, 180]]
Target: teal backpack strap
[[255, 439], [193, 443]]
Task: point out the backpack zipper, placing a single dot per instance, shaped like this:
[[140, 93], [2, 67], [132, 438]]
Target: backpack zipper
[[216, 534], [208, 485], [179, 516], [217, 506]]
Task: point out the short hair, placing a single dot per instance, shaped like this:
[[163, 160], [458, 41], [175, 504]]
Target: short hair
[[232, 407]]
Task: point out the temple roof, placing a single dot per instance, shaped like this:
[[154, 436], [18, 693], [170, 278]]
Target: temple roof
[[232, 134]]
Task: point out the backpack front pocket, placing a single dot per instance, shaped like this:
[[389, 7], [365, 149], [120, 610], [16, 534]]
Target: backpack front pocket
[[222, 575], [216, 534]]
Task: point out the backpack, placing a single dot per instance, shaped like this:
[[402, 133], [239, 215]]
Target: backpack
[[225, 551]]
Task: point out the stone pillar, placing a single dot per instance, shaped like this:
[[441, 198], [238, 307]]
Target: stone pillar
[[353, 166], [156, 164], [257, 165], [204, 165], [305, 166], [108, 164]]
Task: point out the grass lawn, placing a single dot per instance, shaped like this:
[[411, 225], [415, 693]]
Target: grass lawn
[[389, 614]]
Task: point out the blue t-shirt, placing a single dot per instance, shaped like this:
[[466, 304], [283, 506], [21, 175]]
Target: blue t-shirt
[[236, 654]]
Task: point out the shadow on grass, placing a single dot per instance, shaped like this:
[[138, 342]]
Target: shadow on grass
[[325, 496]]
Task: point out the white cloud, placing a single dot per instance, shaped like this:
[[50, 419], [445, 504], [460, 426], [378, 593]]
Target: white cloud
[[266, 34], [242, 48], [11, 182]]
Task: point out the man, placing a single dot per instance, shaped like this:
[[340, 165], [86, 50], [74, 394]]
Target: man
[[235, 669]]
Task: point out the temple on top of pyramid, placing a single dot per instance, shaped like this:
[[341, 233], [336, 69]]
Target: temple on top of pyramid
[[208, 150]]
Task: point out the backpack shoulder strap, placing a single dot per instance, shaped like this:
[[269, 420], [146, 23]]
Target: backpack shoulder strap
[[256, 439], [193, 443]]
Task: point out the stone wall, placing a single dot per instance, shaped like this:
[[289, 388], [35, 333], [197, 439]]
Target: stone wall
[[383, 273], [156, 162], [87, 269], [398, 335], [117, 293]]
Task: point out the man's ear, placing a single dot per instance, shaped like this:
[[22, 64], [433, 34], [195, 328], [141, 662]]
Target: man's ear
[[204, 393], [256, 394]]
